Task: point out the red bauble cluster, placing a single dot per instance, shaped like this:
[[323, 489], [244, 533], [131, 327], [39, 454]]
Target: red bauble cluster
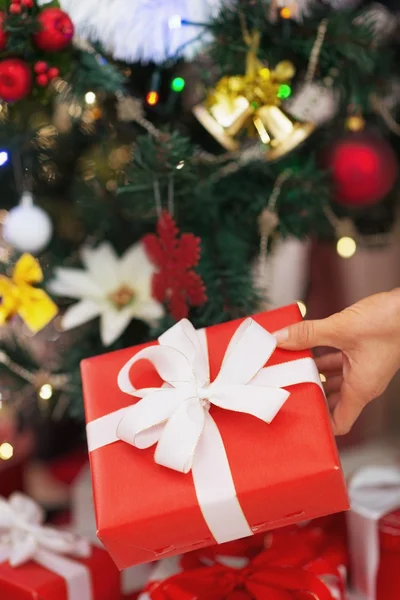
[[56, 30], [44, 73], [364, 169], [55, 33], [18, 6], [15, 79]]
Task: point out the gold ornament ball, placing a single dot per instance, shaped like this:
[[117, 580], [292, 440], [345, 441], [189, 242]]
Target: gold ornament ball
[[355, 123]]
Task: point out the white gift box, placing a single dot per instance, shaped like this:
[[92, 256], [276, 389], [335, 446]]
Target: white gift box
[[84, 523]]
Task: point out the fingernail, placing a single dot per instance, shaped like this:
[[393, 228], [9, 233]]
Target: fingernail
[[282, 335]]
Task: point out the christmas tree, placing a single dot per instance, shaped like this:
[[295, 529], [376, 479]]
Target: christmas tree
[[162, 160]]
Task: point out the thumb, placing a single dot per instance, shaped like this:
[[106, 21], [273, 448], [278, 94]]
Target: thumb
[[309, 334]]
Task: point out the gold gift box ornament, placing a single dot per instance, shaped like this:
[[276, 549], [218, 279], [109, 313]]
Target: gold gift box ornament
[[252, 103]]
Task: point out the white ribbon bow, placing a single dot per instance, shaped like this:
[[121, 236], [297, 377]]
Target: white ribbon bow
[[23, 537], [374, 492], [177, 416], [173, 416]]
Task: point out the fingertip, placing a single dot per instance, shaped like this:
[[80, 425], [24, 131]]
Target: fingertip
[[282, 337]]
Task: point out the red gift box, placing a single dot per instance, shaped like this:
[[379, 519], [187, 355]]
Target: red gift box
[[41, 562], [374, 532], [281, 473], [32, 581], [300, 565], [388, 580]]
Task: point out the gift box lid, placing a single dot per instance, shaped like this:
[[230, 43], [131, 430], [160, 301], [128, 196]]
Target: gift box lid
[[283, 473]]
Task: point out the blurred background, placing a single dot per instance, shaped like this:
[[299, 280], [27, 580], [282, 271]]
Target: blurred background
[[170, 158]]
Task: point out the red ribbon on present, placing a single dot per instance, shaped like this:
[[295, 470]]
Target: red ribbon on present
[[289, 570]]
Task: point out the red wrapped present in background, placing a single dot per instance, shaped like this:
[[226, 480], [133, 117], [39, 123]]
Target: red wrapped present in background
[[299, 565], [388, 580], [42, 562], [230, 474], [374, 532]]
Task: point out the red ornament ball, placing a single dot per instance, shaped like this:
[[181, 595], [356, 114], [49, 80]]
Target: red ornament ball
[[56, 32], [364, 169], [52, 73], [3, 35], [15, 79], [42, 80], [15, 9], [40, 67], [28, 3]]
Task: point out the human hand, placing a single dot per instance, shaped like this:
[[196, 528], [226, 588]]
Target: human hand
[[367, 336]]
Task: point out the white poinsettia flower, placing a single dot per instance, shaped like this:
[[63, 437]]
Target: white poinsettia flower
[[115, 289]]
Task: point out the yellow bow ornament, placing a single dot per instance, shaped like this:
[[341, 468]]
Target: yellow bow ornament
[[19, 297]]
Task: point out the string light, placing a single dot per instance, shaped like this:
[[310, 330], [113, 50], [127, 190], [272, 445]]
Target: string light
[[3, 158], [178, 84], [346, 247], [284, 91], [46, 391], [180, 165], [286, 13], [303, 308], [152, 98], [322, 378], [175, 22], [6, 451], [90, 98]]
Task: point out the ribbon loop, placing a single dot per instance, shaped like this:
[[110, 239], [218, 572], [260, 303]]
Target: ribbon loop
[[173, 417], [22, 533]]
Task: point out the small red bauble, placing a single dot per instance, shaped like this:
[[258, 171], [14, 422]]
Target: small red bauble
[[40, 67], [3, 35], [14, 9], [15, 79], [28, 3], [42, 80], [56, 32], [364, 169], [52, 73]]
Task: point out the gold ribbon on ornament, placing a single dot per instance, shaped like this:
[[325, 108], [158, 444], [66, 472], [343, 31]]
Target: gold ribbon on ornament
[[18, 296]]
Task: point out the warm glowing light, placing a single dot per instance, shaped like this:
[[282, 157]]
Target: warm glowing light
[[152, 98], [346, 247], [303, 308], [322, 378], [286, 13], [180, 165], [90, 98], [6, 451], [46, 391]]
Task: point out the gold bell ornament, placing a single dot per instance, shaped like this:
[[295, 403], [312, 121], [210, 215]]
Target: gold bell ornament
[[250, 105]]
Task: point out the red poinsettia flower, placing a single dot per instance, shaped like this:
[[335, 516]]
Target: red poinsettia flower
[[175, 255]]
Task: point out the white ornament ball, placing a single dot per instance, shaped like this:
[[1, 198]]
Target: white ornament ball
[[28, 228]]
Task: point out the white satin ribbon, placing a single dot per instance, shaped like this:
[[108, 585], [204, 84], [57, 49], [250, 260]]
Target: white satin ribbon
[[176, 415], [23, 537], [374, 492]]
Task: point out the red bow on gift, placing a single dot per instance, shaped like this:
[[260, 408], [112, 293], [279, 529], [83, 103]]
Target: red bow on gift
[[289, 570]]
